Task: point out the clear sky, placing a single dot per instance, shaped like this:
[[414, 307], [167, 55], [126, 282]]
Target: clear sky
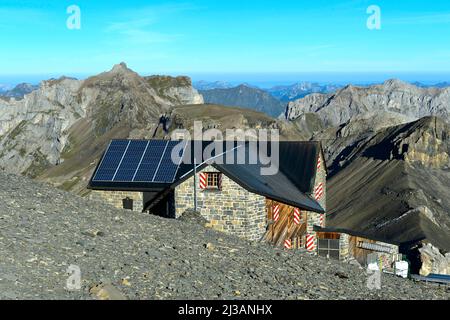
[[228, 36]]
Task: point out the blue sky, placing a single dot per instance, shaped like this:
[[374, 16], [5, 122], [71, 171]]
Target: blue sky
[[225, 37]]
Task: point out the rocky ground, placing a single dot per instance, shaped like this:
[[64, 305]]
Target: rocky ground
[[135, 256]]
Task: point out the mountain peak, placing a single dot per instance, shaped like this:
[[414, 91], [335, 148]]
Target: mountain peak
[[121, 67], [396, 83]]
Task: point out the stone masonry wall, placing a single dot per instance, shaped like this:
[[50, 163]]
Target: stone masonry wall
[[115, 198], [232, 210]]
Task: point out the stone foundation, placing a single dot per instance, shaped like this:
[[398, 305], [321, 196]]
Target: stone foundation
[[115, 198]]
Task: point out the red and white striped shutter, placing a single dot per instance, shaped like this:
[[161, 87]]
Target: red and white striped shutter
[[297, 214], [276, 213], [310, 243], [220, 181], [322, 220], [203, 177], [288, 244], [319, 191]]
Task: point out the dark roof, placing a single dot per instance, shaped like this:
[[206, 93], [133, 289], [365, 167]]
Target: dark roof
[[297, 161], [293, 184], [355, 234]]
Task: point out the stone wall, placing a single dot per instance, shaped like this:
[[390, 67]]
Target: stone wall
[[344, 247], [232, 210], [115, 198]]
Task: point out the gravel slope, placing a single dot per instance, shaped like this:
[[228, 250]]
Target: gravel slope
[[43, 231]]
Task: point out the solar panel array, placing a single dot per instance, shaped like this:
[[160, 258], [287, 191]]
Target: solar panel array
[[139, 161]]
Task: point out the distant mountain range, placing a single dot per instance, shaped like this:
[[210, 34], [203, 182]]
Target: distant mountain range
[[437, 85], [300, 90], [19, 91], [4, 87], [244, 96], [206, 85], [393, 96]]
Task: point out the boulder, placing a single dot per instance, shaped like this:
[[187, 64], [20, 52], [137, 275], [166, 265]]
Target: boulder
[[433, 261]]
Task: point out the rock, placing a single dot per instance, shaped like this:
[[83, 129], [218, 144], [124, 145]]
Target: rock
[[107, 292], [126, 282], [433, 261], [341, 275]]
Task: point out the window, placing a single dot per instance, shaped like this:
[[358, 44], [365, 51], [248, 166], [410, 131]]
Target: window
[[213, 181]]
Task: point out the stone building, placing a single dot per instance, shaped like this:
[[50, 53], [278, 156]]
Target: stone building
[[281, 208]]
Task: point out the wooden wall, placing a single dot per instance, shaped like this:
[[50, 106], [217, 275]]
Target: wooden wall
[[285, 228]]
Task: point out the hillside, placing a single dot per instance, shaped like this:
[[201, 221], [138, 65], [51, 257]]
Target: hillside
[[395, 184], [154, 258], [222, 118], [244, 96]]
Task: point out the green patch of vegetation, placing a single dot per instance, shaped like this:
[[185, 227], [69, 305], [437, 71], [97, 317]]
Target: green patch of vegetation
[[164, 82], [68, 185], [39, 165], [22, 152]]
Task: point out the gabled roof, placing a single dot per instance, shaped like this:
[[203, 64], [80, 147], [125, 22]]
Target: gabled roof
[[292, 184]]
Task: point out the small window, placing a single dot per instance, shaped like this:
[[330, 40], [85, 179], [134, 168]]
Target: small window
[[214, 180]]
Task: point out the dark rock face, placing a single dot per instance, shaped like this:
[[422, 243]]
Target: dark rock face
[[245, 97], [395, 184], [132, 256]]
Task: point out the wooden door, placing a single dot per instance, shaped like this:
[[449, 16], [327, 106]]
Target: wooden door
[[285, 228]]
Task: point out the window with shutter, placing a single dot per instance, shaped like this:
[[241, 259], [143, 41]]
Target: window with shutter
[[213, 181]]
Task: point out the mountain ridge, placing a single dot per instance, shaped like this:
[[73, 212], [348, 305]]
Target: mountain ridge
[[245, 96], [392, 96]]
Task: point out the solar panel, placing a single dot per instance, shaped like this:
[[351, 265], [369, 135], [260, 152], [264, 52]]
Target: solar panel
[[111, 160], [134, 161], [130, 161], [150, 161], [168, 169]]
